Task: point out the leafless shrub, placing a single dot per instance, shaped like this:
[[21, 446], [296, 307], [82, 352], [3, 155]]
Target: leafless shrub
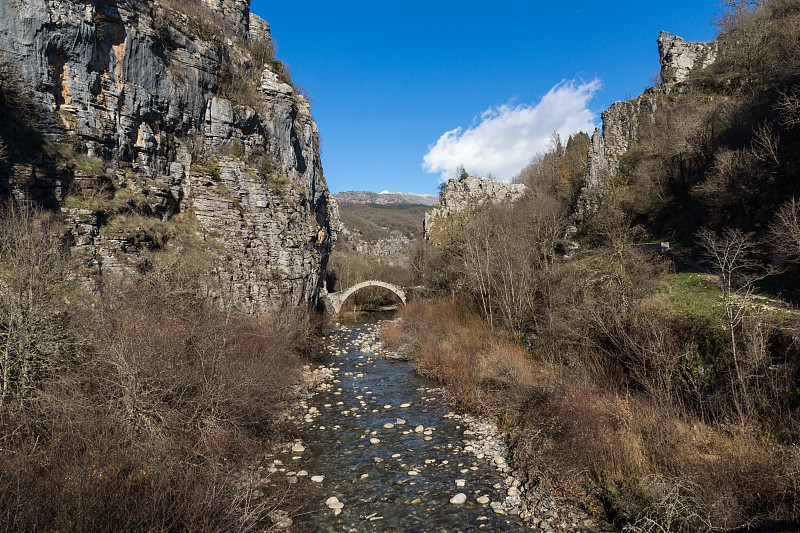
[[559, 171], [766, 144], [161, 415], [734, 257], [788, 107], [300, 326], [620, 400], [730, 182], [676, 508], [480, 254], [655, 79], [32, 311], [784, 231], [758, 38], [688, 417]]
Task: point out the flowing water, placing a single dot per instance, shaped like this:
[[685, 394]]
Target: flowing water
[[381, 442]]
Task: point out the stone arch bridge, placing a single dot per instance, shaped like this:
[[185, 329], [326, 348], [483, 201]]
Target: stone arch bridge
[[334, 300]]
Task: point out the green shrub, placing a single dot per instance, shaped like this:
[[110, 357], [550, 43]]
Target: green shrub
[[237, 149], [209, 165], [68, 156], [281, 184]]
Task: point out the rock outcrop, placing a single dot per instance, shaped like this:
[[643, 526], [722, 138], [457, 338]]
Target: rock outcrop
[[460, 195], [622, 121], [679, 57], [167, 103]]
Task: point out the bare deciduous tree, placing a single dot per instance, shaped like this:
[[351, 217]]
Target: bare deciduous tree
[[733, 256], [788, 107], [32, 286], [731, 179], [559, 171], [506, 251], [766, 144], [784, 231]]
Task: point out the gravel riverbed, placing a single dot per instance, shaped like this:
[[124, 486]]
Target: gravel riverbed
[[382, 451]]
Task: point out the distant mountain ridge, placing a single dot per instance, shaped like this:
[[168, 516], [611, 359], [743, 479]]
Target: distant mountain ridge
[[386, 198]]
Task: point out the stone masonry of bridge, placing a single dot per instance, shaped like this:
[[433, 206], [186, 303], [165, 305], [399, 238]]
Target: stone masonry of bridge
[[335, 300]]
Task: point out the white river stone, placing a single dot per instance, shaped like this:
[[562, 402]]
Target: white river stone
[[458, 499]]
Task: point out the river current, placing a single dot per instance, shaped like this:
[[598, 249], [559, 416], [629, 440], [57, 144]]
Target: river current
[[385, 454]]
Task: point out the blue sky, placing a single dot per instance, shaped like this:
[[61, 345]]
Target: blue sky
[[389, 80]]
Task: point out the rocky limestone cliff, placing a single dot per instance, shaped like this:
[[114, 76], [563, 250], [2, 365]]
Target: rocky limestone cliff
[[459, 195], [623, 120], [161, 107], [679, 57], [621, 123]]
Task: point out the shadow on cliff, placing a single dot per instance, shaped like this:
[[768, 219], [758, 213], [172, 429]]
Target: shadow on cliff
[[26, 167]]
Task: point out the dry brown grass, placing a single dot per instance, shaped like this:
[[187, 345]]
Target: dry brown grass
[[655, 463], [686, 416], [159, 427], [392, 335], [453, 345], [155, 411]]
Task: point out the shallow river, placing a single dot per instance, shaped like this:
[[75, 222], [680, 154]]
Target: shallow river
[[385, 453]]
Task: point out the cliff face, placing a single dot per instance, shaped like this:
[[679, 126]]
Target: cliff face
[[621, 123], [167, 102], [623, 120], [458, 196], [679, 57], [392, 249]]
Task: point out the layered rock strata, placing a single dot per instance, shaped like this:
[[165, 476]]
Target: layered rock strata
[[393, 249], [621, 123], [164, 102]]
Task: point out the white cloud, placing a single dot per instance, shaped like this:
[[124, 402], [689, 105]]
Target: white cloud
[[506, 137]]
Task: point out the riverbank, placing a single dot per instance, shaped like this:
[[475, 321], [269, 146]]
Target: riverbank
[[542, 504], [153, 410], [607, 452]]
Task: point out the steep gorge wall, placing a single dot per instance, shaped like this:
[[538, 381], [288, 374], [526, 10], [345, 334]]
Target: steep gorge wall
[[154, 100], [623, 120]]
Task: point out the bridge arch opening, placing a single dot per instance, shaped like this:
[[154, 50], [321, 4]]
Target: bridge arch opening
[[337, 299], [381, 296]]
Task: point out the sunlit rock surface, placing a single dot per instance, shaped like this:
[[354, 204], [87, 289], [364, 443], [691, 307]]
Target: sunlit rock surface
[[459, 195], [155, 95]]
